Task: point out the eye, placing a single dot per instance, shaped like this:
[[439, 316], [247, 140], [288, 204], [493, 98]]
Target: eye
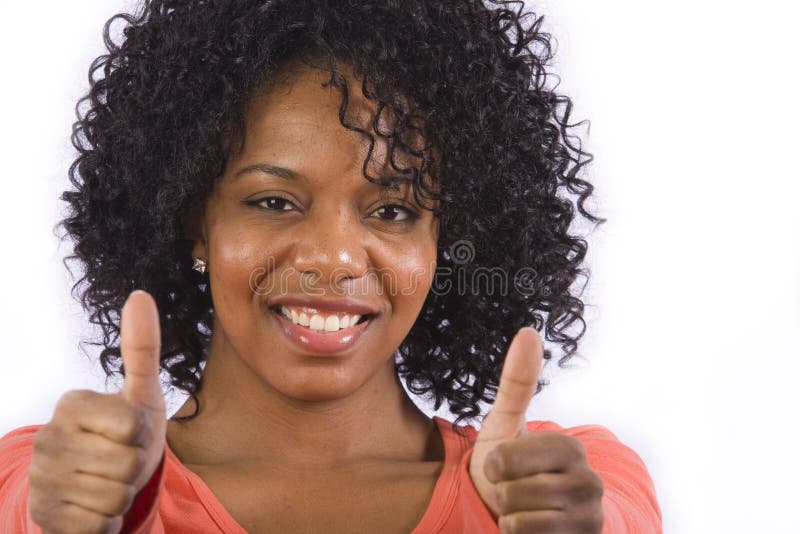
[[390, 212], [273, 203]]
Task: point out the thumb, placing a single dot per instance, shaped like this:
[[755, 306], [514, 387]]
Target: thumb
[[518, 383], [140, 345], [506, 419]]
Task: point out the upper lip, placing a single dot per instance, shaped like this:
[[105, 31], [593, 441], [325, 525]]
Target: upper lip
[[323, 303]]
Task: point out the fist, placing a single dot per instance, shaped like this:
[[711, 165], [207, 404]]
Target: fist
[[543, 483], [99, 450], [532, 482]]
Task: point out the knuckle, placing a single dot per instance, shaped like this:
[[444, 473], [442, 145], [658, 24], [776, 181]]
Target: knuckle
[[133, 462], [503, 456], [595, 519], [66, 522], [502, 494], [578, 449], [123, 498], [114, 525], [131, 422], [551, 522], [590, 486], [36, 509], [587, 486], [597, 484], [45, 515], [551, 438], [508, 524], [46, 440], [80, 520], [40, 441], [37, 477], [589, 521], [513, 523], [98, 523], [73, 399]]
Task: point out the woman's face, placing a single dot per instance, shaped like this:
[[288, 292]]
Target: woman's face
[[293, 223]]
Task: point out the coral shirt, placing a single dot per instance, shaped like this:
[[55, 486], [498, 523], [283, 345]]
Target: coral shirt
[[176, 500]]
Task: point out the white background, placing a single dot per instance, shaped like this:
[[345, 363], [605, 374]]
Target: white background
[[695, 294]]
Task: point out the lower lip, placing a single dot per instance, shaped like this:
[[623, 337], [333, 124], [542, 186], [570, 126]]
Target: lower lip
[[327, 343]]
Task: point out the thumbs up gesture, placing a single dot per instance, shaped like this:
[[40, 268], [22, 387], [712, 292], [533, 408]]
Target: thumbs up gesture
[[99, 450], [532, 482]]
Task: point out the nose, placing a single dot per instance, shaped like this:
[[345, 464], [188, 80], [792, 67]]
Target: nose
[[329, 249]]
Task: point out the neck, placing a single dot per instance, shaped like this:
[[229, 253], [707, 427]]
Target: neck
[[242, 419]]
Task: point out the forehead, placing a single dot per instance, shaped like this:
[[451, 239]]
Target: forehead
[[295, 102], [298, 112], [307, 86]]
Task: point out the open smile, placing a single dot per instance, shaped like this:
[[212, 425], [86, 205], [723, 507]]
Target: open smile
[[321, 332]]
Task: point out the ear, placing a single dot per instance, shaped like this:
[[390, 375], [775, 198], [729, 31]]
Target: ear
[[193, 223]]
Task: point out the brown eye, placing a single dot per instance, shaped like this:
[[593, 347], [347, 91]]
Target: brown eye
[[273, 203], [395, 213]]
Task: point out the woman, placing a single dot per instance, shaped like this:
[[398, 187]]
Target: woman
[[319, 200]]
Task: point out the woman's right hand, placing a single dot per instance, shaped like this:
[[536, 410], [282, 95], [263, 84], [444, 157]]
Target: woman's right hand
[[99, 450]]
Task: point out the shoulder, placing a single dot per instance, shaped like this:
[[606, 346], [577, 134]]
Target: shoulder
[[589, 432], [594, 435], [606, 454], [617, 464], [17, 445], [16, 452], [630, 503], [629, 498], [22, 433]]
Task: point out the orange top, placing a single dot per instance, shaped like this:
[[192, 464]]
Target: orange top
[[180, 502]]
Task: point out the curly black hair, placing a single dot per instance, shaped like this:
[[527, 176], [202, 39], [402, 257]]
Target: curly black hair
[[162, 120]]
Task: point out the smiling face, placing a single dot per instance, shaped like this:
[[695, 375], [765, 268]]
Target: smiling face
[[294, 222]]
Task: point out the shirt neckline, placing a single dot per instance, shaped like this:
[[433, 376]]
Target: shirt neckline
[[436, 513]]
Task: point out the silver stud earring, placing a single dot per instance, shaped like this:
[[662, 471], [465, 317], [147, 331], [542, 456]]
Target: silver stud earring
[[199, 265]]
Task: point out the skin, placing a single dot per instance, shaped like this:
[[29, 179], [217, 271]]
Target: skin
[[532, 482], [264, 400], [262, 397]]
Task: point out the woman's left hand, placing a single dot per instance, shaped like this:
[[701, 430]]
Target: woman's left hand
[[532, 482]]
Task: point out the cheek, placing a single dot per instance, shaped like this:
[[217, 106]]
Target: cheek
[[241, 259], [414, 272]]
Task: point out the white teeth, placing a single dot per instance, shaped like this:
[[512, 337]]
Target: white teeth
[[317, 322], [332, 323]]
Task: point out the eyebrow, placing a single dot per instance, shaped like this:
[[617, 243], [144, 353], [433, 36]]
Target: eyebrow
[[280, 172]]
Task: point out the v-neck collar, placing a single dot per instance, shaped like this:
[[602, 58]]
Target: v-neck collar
[[436, 514]]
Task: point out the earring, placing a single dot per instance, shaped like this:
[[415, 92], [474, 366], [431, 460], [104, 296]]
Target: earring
[[199, 265]]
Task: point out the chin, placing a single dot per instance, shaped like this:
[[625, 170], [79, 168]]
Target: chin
[[317, 389]]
